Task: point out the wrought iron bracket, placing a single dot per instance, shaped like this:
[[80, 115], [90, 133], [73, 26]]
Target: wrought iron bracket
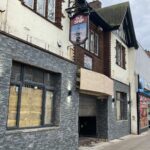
[[76, 7]]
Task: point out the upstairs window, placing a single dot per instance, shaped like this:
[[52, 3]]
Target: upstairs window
[[92, 43], [120, 55], [29, 3], [41, 7], [45, 8]]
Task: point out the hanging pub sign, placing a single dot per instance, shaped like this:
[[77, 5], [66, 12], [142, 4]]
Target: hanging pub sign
[[79, 29]]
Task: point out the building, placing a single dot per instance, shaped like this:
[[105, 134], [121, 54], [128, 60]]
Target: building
[[143, 90], [107, 113], [38, 97]]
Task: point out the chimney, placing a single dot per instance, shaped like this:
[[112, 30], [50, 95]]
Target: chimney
[[95, 4]]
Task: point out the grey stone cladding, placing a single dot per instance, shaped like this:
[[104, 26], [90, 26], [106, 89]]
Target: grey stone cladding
[[117, 129], [62, 137]]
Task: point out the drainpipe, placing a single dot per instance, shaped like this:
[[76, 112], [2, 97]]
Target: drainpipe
[[138, 111], [5, 18]]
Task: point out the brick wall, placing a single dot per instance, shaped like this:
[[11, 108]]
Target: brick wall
[[98, 61]]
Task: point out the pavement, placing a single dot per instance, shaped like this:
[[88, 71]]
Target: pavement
[[130, 142]]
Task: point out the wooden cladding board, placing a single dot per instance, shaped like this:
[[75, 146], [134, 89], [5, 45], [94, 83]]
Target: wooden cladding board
[[12, 110], [31, 107]]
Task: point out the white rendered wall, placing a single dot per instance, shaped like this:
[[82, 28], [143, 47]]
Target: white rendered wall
[[25, 24], [133, 89], [117, 72], [142, 66]]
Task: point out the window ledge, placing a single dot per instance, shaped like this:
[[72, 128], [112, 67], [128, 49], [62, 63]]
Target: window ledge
[[119, 121], [31, 130]]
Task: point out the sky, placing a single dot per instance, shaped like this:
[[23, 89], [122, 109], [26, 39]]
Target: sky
[[140, 10]]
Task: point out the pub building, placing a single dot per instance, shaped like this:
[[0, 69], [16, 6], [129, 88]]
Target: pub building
[[103, 72]]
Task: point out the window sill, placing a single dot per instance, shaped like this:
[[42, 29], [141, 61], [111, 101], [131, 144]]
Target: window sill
[[121, 67], [119, 121], [31, 130]]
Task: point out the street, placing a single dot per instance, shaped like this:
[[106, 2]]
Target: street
[[131, 142]]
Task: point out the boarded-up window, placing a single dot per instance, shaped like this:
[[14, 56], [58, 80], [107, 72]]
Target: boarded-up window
[[31, 107], [31, 97], [12, 109]]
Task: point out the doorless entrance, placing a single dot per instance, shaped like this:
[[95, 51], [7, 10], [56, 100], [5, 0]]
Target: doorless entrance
[[87, 126]]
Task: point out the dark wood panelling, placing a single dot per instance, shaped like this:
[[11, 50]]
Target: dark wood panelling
[[107, 53], [101, 63]]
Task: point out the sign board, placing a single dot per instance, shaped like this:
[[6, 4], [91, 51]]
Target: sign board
[[79, 29], [143, 112]]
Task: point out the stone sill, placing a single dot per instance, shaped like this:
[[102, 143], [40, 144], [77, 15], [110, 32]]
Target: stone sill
[[120, 121], [31, 130]]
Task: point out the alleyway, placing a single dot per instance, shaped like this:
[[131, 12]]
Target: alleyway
[[131, 142]]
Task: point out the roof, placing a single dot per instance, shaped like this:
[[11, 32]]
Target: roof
[[114, 15]]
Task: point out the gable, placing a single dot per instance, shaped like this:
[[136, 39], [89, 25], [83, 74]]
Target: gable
[[119, 17]]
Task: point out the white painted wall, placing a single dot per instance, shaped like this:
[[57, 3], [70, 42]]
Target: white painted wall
[[133, 89], [25, 24], [142, 66], [117, 72]]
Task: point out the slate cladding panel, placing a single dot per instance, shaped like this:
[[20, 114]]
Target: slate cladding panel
[[117, 129], [63, 137]]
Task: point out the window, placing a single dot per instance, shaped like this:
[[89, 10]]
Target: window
[[41, 7], [121, 106], [88, 62], [120, 55], [92, 43], [45, 8], [31, 98], [29, 3], [96, 44]]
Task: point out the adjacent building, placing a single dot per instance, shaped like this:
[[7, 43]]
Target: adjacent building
[[38, 96], [107, 62], [143, 90]]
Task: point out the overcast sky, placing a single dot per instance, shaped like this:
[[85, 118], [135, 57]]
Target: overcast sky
[[140, 10]]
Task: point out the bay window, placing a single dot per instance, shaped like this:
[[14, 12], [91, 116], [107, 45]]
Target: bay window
[[31, 99]]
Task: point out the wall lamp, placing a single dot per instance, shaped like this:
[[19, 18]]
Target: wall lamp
[[69, 93], [113, 100], [129, 102]]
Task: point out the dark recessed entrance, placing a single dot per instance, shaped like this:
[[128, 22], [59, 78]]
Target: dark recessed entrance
[[87, 126]]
